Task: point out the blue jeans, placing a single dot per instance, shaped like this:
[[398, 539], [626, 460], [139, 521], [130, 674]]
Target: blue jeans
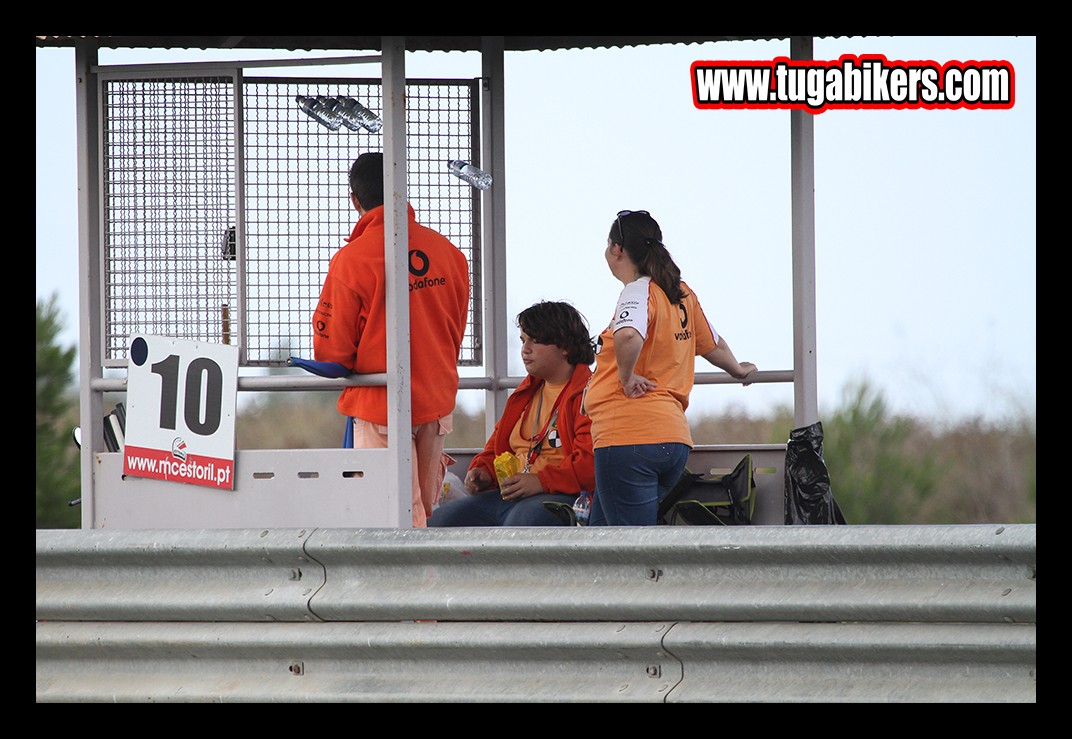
[[487, 508], [630, 481]]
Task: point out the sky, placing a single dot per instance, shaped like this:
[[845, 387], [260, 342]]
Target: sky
[[924, 219]]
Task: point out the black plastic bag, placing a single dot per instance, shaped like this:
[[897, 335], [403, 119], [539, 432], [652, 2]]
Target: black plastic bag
[[808, 499]]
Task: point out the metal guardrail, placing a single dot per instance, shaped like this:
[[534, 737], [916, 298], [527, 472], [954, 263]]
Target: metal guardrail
[[763, 613]]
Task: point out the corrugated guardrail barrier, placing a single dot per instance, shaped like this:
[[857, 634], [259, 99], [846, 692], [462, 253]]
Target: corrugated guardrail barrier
[[667, 614]]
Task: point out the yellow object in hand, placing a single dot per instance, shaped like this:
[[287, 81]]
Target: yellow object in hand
[[506, 465]]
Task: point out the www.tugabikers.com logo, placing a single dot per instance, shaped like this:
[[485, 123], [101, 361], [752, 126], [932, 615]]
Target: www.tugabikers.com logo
[[868, 81]]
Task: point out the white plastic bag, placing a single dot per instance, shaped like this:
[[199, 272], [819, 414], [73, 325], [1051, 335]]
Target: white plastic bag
[[453, 488]]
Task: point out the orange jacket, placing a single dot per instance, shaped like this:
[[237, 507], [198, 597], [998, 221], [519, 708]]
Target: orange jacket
[[577, 471], [350, 326]]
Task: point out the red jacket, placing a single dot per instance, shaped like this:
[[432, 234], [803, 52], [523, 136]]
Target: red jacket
[[577, 472], [350, 326]]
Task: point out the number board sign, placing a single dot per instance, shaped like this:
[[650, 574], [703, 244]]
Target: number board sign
[[181, 411]]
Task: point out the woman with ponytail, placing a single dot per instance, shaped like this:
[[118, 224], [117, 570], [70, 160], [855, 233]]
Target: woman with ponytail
[[645, 367]]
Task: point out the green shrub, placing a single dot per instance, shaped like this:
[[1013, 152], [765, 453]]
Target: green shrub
[[58, 476]]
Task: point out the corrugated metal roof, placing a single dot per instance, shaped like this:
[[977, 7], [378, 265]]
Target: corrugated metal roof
[[367, 43]]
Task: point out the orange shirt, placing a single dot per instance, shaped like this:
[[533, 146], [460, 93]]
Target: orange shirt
[[350, 326], [569, 435], [674, 335], [532, 425]]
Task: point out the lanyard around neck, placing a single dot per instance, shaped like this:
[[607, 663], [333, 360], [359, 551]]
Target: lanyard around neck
[[536, 443]]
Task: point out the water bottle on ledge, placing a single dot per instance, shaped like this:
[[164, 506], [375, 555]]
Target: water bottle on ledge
[[319, 112], [475, 176], [356, 116], [582, 507]]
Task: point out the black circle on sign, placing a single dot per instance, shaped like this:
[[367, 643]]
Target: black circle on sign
[[139, 351]]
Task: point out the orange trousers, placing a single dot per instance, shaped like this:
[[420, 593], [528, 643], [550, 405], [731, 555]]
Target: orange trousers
[[429, 461]]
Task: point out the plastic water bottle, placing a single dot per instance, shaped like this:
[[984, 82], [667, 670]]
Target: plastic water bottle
[[335, 108], [356, 116], [329, 111], [475, 176], [582, 507], [319, 112]]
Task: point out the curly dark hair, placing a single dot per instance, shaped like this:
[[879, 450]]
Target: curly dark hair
[[558, 323]]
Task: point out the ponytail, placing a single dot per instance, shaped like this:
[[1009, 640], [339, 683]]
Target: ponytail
[[641, 238], [660, 266]]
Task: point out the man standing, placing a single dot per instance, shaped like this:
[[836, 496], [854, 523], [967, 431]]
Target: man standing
[[350, 328]]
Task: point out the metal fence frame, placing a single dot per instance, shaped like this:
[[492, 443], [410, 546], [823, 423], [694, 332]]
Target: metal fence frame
[[222, 202], [496, 383]]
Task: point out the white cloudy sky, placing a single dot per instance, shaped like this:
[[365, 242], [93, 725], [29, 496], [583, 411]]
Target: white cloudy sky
[[925, 219]]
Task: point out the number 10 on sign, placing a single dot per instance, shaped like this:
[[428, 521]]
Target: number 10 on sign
[[181, 411]]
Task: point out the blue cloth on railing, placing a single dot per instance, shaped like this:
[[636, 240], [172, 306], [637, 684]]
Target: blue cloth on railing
[[324, 369], [333, 370]]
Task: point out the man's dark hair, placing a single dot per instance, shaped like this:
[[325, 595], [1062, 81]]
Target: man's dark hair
[[366, 180], [560, 324]]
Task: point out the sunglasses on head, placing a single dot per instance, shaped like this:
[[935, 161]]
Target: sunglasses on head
[[622, 214]]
